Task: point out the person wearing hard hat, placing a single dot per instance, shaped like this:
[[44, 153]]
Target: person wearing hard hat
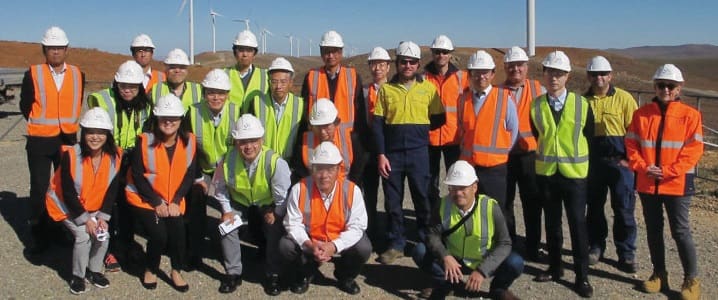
[[562, 123], [325, 218], [613, 110], [248, 81], [490, 126], [82, 193], [161, 176], [211, 120], [281, 112], [324, 127], [450, 82], [663, 144], [481, 249], [51, 102], [379, 64], [176, 70], [407, 108], [142, 50], [129, 110], [252, 182], [521, 164]]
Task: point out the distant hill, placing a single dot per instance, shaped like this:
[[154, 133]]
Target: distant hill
[[689, 51]]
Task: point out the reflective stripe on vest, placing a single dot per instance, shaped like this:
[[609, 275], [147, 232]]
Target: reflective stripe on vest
[[231, 172], [309, 191], [492, 148], [276, 132], [40, 121], [151, 158], [350, 89], [217, 140], [163, 88], [475, 234]]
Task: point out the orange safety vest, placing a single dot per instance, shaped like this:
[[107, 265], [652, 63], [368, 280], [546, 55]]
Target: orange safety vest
[[344, 96], [322, 224], [310, 141], [450, 89], [680, 136], [55, 111], [91, 187], [157, 77], [485, 141], [525, 95], [164, 176], [370, 98]]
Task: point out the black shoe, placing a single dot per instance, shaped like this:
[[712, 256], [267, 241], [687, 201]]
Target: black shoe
[[628, 265], [300, 286], [77, 285], [97, 279], [584, 289], [148, 285], [230, 283], [271, 286], [594, 256], [537, 257], [349, 286], [180, 288], [440, 292], [549, 275]]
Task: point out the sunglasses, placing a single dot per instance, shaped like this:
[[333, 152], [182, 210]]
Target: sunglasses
[[663, 85], [408, 62], [144, 49], [440, 51], [596, 74]]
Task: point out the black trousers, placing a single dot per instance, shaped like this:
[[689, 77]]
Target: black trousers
[[370, 188], [451, 155], [163, 234], [492, 183], [346, 267], [522, 172]]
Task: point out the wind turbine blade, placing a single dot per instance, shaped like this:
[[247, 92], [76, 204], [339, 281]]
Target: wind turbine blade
[[181, 8]]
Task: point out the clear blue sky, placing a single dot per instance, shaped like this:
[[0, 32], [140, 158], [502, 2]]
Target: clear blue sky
[[111, 25]]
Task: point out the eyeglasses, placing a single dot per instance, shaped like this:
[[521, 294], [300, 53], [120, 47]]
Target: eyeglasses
[[127, 86], [144, 49], [412, 62], [440, 51], [596, 74], [663, 85], [555, 73]]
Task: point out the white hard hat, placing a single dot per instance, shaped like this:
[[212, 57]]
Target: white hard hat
[[378, 53], [169, 106], [331, 39], [481, 60], [408, 49], [323, 112], [55, 36], [97, 117], [442, 42], [668, 72], [217, 79], [247, 127], [557, 60], [246, 38], [177, 57], [130, 72], [280, 63], [142, 40], [326, 154], [461, 173], [598, 64], [515, 53]]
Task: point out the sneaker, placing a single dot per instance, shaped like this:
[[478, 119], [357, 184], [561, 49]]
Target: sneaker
[[389, 256], [691, 289], [77, 285], [111, 264], [656, 283], [97, 279]]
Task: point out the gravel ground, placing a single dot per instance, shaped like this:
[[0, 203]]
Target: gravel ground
[[48, 276]]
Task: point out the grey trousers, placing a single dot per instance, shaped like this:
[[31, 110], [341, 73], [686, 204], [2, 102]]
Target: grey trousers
[[88, 252], [232, 247]]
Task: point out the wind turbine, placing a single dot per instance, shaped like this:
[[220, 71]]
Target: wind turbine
[[246, 22], [214, 14], [299, 43], [191, 27], [310, 47], [264, 34], [291, 44]]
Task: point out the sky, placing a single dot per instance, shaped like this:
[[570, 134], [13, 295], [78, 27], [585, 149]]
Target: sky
[[111, 25]]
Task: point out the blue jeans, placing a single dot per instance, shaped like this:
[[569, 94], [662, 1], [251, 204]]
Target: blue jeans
[[510, 269]]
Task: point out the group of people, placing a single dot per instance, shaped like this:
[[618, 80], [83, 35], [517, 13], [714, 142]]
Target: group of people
[[299, 174]]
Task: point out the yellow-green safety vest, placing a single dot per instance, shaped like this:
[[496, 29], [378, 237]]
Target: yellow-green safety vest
[[280, 137], [214, 142], [132, 125], [250, 191], [472, 241], [258, 85], [192, 93]]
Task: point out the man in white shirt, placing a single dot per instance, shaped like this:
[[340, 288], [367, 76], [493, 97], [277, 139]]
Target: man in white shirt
[[325, 217]]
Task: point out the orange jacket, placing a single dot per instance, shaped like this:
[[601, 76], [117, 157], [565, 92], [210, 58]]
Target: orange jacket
[[343, 97], [678, 130], [325, 224], [157, 77], [164, 176], [310, 141], [91, 186], [485, 141], [370, 96], [55, 111], [527, 92], [450, 89]]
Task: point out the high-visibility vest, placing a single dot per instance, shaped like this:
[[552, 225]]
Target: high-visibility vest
[[132, 125], [250, 191], [320, 223], [561, 147], [370, 98], [523, 98], [343, 97], [258, 85], [486, 142], [156, 77], [91, 186], [310, 141], [280, 137], [55, 111], [474, 239], [192, 93], [450, 90], [213, 142], [673, 142], [164, 176]]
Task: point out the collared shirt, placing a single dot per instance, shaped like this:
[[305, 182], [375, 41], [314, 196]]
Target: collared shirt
[[479, 98], [279, 108], [463, 213], [355, 226], [334, 75], [58, 77], [280, 184], [557, 102], [216, 118], [249, 71], [147, 78], [512, 117]]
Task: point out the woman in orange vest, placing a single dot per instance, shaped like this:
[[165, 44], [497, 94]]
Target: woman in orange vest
[[162, 173], [81, 196]]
